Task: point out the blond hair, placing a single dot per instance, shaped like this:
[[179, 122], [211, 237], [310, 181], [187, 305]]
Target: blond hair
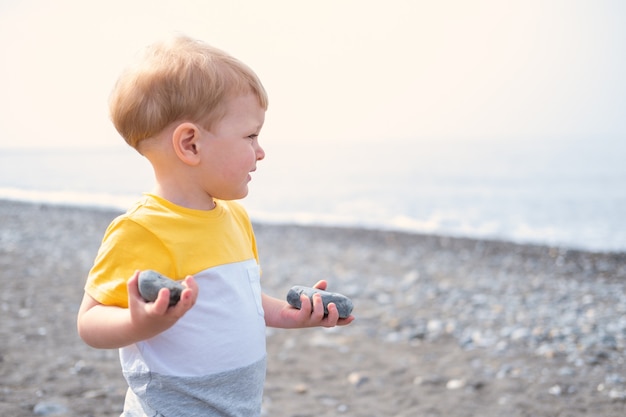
[[179, 79]]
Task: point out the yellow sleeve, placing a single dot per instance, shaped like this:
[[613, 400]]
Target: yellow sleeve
[[126, 247]]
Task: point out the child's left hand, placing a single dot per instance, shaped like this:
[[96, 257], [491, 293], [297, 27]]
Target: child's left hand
[[286, 316]]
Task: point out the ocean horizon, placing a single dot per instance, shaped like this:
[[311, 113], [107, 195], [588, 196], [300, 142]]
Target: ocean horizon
[[558, 193]]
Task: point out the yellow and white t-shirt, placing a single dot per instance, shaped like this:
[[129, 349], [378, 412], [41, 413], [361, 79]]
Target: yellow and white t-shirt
[[212, 361]]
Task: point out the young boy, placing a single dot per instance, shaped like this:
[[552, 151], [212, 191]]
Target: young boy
[[195, 113]]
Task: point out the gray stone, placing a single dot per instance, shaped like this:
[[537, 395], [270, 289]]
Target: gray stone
[[343, 303], [49, 409], [150, 282]]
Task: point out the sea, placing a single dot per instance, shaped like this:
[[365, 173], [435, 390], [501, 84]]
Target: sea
[[569, 192]]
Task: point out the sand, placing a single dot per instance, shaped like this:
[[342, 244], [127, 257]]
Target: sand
[[381, 365]]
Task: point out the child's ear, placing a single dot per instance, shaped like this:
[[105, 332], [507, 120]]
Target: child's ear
[[185, 139]]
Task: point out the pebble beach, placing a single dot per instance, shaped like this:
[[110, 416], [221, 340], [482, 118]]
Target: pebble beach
[[444, 326]]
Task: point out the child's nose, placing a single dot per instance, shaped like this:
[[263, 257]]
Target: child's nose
[[260, 153]]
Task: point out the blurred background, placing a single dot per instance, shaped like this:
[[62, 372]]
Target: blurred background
[[483, 119]]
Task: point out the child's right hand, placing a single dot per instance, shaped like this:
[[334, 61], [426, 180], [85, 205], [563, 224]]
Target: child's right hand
[[152, 318]]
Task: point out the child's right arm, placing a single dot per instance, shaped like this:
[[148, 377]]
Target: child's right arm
[[110, 327]]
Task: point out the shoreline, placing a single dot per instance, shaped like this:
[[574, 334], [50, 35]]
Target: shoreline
[[116, 210], [444, 326]]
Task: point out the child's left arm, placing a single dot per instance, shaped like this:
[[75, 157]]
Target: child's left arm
[[278, 313]]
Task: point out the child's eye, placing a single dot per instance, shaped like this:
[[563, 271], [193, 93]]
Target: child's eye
[[253, 137]]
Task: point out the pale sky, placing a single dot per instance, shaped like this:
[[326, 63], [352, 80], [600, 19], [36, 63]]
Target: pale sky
[[334, 69]]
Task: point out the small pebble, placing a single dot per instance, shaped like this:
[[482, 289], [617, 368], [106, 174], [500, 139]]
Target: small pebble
[[357, 379], [455, 384], [49, 409], [301, 388]]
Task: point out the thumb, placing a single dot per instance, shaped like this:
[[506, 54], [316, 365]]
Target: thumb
[[321, 285], [133, 286]]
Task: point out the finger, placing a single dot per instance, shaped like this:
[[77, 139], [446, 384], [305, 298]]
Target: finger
[[191, 284], [133, 286], [346, 321], [189, 295], [306, 306], [321, 285], [333, 314], [318, 308], [162, 303]]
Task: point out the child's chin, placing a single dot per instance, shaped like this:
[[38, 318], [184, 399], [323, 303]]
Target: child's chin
[[238, 196], [244, 193]]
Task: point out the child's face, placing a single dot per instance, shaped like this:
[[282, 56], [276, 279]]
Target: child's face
[[231, 149]]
